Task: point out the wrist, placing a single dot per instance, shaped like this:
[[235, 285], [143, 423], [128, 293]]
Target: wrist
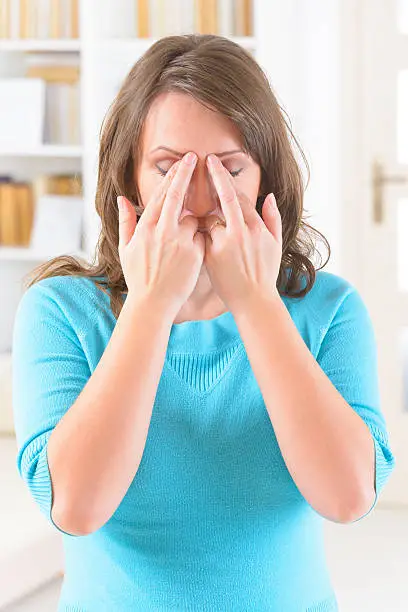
[[254, 302], [149, 307]]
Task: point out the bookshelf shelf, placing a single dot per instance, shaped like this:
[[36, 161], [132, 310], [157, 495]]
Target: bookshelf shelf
[[141, 44], [46, 150], [41, 44], [28, 254]]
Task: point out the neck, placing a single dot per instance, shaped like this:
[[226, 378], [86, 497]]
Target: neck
[[203, 302]]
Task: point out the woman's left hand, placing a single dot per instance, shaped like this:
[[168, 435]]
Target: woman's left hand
[[243, 258]]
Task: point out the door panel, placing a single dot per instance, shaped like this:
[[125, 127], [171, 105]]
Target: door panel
[[384, 131]]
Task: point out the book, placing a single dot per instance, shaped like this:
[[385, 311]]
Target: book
[[57, 225], [22, 101], [225, 17], [16, 213], [39, 19], [25, 212], [5, 18], [57, 184], [142, 19], [62, 104], [206, 16], [24, 19]]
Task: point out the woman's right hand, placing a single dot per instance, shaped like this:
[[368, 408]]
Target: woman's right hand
[[161, 257]]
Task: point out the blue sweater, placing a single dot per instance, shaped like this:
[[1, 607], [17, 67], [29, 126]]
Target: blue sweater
[[212, 519]]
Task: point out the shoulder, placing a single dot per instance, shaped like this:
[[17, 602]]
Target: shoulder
[[327, 294], [338, 296], [330, 288], [65, 297], [332, 300]]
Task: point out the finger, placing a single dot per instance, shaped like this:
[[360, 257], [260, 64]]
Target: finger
[[251, 217], [190, 222], [127, 220], [173, 202], [272, 217], [226, 193], [152, 211]]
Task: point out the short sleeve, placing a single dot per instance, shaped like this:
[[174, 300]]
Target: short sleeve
[[348, 356], [49, 370]]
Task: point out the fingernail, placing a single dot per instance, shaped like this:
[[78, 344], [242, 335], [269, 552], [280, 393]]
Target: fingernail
[[119, 201], [190, 158], [211, 160]]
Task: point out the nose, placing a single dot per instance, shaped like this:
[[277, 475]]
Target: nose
[[201, 199]]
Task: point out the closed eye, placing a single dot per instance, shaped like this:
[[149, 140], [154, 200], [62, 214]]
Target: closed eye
[[233, 173]]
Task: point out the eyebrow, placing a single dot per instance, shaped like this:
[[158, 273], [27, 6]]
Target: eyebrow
[[223, 154]]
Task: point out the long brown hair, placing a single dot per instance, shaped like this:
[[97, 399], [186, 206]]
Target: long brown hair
[[224, 76]]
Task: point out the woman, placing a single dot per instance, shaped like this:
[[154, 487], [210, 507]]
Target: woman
[[190, 408]]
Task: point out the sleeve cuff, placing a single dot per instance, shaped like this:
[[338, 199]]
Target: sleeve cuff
[[384, 464], [32, 464]]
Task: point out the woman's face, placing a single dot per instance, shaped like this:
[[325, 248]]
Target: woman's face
[[180, 123]]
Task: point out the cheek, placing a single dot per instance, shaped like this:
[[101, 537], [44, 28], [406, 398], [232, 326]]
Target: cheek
[[249, 184], [147, 183]]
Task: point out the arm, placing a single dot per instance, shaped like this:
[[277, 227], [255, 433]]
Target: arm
[[85, 432], [324, 411]]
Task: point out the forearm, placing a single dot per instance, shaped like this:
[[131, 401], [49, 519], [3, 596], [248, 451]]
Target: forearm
[[96, 448], [327, 447]]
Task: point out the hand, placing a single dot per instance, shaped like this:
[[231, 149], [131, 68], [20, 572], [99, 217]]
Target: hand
[[160, 255], [243, 258]]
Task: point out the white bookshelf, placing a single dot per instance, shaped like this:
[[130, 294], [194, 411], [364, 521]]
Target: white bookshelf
[[45, 150], [34, 44], [29, 254], [106, 52]]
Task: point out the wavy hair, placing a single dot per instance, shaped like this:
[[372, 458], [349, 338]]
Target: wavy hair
[[224, 76]]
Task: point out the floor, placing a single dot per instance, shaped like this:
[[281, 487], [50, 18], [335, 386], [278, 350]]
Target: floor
[[368, 562]]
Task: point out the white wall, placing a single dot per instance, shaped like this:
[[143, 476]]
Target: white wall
[[300, 48]]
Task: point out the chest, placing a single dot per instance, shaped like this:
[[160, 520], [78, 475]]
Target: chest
[[214, 447]]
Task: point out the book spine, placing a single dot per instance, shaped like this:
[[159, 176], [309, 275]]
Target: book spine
[[9, 216], [33, 19], [14, 19], [154, 22], [239, 18], [206, 16], [143, 18], [24, 19], [73, 113], [2, 215], [212, 17], [74, 10], [54, 73], [43, 23], [64, 19], [199, 15], [248, 18], [62, 114], [25, 212], [225, 17], [55, 19], [5, 19], [187, 16]]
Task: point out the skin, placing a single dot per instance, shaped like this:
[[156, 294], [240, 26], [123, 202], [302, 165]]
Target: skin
[[183, 124]]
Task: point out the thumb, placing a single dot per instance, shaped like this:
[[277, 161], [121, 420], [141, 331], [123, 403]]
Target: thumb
[[127, 220], [272, 217]]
